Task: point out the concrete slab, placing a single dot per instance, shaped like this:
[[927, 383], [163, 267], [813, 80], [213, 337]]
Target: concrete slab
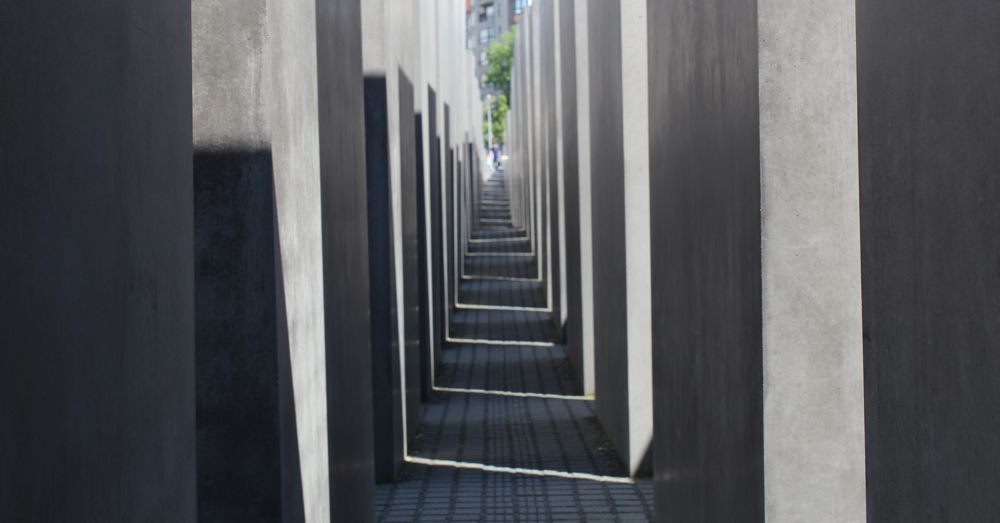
[[97, 370]]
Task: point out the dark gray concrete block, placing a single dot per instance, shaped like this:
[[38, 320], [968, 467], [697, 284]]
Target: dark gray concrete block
[[236, 337], [437, 244], [706, 265], [411, 198], [97, 372], [386, 394], [550, 150], [574, 284], [345, 260], [448, 218], [608, 214], [423, 240], [929, 124]]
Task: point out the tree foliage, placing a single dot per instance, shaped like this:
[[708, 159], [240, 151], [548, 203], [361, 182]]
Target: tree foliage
[[500, 107], [500, 59]]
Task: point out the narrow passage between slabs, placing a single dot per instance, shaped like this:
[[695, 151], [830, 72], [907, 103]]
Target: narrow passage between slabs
[[506, 436]]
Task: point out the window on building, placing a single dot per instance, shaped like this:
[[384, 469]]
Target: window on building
[[485, 35], [482, 58], [486, 12]]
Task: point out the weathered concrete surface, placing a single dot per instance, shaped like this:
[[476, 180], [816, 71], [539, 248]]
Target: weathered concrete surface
[[252, 98], [814, 448], [929, 124], [706, 279], [237, 314], [97, 382]]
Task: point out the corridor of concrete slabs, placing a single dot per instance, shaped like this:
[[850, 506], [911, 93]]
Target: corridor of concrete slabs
[[506, 437]]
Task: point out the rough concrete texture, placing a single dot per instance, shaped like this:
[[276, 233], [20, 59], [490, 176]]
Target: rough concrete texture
[[252, 97], [706, 279], [237, 309], [814, 448], [97, 386], [929, 124]]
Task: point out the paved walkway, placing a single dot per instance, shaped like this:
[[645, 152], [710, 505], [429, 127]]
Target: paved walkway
[[506, 437]]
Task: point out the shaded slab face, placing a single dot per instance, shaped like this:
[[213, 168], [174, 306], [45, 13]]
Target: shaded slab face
[[411, 198], [706, 267], [386, 380], [246, 405], [236, 336], [97, 369], [437, 257], [929, 122], [345, 259]]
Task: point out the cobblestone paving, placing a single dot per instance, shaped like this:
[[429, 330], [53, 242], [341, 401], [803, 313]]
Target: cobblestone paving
[[506, 436]]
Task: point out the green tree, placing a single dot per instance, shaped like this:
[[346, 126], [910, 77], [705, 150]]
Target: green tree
[[500, 107], [500, 59]]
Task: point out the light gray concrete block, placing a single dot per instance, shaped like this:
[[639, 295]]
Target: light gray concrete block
[[814, 448]]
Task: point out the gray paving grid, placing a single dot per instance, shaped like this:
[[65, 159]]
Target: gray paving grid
[[473, 425]]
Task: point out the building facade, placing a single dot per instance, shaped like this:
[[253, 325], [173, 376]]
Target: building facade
[[486, 21]]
